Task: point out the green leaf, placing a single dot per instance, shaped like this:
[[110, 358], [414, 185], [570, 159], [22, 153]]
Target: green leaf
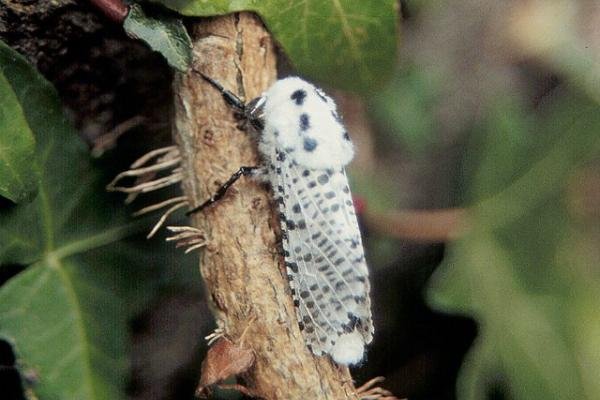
[[18, 174], [527, 267], [345, 43], [165, 35], [405, 108], [64, 314]]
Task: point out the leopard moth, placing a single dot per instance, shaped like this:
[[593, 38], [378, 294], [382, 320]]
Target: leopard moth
[[304, 149]]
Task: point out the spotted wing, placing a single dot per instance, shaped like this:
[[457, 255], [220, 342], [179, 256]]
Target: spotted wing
[[324, 256]]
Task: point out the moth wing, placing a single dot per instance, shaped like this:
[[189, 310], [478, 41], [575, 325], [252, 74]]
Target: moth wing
[[325, 257]]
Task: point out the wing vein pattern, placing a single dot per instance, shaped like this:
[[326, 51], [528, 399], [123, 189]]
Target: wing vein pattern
[[324, 254]]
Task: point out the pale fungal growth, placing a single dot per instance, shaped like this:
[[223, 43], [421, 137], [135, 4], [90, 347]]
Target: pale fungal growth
[[187, 236], [304, 149], [150, 186], [225, 358], [163, 218], [369, 391], [109, 139], [145, 170], [214, 336], [158, 206], [162, 159]]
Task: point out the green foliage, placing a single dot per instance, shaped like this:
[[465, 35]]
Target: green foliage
[[346, 43], [65, 314], [527, 268], [165, 35], [404, 108], [18, 176]]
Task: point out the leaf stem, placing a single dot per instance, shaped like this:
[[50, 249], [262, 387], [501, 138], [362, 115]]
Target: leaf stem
[[99, 240], [116, 10]]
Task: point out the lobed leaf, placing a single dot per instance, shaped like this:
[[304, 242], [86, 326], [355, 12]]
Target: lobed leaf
[[344, 43], [166, 35], [527, 265], [18, 174], [64, 314]]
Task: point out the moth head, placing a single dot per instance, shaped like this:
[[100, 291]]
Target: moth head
[[254, 112]]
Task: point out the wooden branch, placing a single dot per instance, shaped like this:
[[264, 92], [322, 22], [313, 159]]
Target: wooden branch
[[241, 266]]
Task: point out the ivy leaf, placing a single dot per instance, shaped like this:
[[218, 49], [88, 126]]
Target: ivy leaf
[[64, 314], [345, 43], [404, 108], [166, 35], [527, 267], [18, 175]]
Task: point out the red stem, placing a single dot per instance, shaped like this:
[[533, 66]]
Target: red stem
[[116, 10], [420, 225]]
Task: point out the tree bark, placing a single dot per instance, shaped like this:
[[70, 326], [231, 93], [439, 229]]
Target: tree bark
[[242, 267]]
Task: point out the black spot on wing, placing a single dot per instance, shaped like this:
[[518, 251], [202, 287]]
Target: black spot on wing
[[323, 179], [310, 144]]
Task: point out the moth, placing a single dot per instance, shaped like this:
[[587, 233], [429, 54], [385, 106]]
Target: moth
[[304, 149]]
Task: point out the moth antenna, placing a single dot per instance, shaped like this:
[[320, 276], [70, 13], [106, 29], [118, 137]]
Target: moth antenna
[[229, 96]]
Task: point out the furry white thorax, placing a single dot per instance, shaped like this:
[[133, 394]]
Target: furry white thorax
[[301, 119]]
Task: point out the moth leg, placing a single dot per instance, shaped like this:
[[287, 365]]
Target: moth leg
[[243, 171]]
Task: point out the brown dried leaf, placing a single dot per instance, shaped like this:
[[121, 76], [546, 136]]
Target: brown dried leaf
[[224, 359]]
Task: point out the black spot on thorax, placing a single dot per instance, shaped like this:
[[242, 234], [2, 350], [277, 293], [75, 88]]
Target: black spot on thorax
[[304, 122], [298, 96]]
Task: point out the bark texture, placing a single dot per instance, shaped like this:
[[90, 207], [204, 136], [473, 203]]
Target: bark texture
[[242, 267]]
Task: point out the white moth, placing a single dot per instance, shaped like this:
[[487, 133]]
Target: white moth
[[304, 149]]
